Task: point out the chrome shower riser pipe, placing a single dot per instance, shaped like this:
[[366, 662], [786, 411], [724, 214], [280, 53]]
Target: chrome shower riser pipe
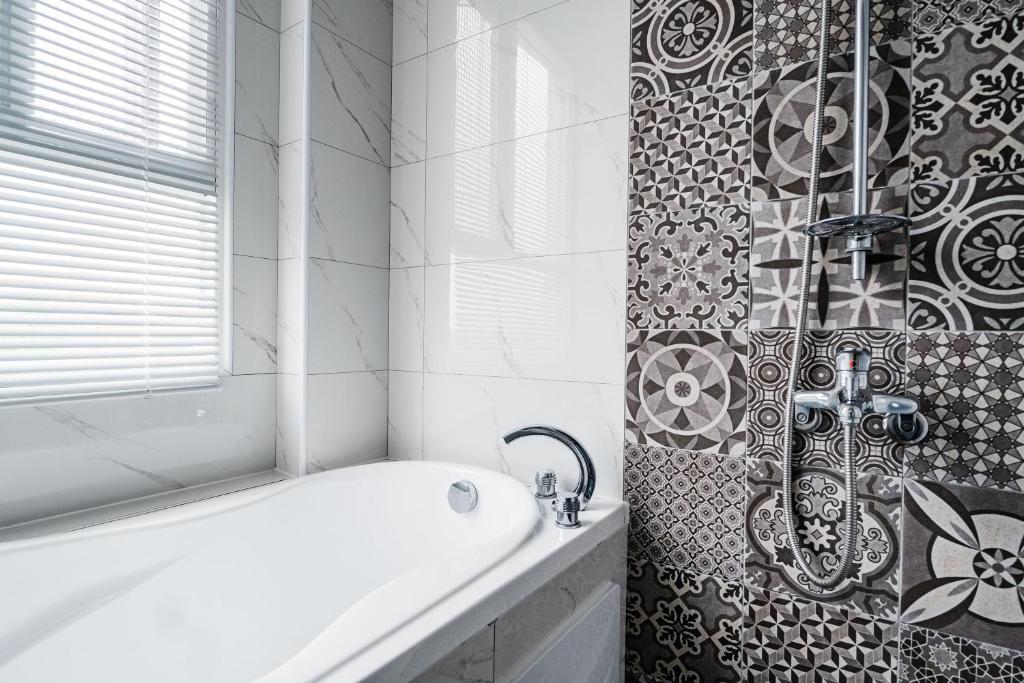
[[860, 247], [842, 571]]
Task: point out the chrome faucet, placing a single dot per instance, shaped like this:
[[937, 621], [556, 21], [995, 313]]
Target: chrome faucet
[[585, 487], [851, 399]]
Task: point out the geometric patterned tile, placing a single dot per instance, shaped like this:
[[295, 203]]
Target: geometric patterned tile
[[835, 299], [786, 31], [691, 148], [685, 509], [784, 102], [681, 44], [689, 269], [963, 562], [770, 354], [819, 495], [687, 389], [968, 120], [967, 254], [930, 657], [795, 640], [936, 15], [971, 389], [682, 626]]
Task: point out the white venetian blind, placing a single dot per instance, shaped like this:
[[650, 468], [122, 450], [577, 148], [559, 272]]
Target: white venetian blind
[[109, 211]]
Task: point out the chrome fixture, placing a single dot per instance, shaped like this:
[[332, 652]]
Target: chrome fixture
[[544, 483], [567, 510], [848, 398], [851, 399], [462, 496], [585, 486]]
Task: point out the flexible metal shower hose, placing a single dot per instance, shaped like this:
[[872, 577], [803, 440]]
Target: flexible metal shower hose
[[840, 573]]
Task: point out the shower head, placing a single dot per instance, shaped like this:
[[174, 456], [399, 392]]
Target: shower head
[[856, 227]]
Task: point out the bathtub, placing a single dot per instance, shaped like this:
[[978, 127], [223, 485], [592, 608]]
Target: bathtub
[[327, 577]]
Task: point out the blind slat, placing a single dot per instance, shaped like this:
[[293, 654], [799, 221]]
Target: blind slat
[[110, 236]]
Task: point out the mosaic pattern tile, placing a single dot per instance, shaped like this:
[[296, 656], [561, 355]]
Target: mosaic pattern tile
[[786, 31], [937, 15], [686, 509], [971, 389], [819, 495], [682, 44], [799, 641], [963, 562], [770, 354], [836, 300], [682, 626], [930, 657], [967, 255], [688, 270], [783, 118], [691, 148], [969, 121], [687, 390]]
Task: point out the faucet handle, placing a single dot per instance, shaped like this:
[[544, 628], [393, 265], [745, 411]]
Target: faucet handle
[[544, 482], [567, 509], [893, 405], [853, 359]]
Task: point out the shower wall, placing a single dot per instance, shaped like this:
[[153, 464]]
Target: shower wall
[[723, 94], [508, 262]]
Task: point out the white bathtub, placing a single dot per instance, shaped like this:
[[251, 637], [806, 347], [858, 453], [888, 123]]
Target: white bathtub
[[286, 582]]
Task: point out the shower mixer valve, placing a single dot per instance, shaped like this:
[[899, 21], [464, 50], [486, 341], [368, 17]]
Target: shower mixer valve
[[851, 399]]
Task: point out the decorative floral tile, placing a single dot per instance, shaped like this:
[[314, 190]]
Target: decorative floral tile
[[937, 15], [963, 562], [689, 269], [786, 31], [691, 148], [682, 626], [800, 641], [930, 657], [770, 354], [969, 120], [686, 509], [819, 495], [784, 104], [967, 254], [687, 389], [682, 44], [971, 389], [836, 300]]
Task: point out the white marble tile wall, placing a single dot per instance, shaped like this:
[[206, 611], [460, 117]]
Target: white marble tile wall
[[61, 457], [516, 220], [347, 422], [410, 30], [366, 23], [348, 317]]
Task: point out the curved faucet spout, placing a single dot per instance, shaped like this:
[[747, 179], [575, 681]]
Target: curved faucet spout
[[588, 478]]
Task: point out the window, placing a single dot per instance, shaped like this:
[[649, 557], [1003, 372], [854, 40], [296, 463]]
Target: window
[[110, 209]]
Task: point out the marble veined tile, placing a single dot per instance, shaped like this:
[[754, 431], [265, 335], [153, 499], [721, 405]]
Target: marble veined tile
[[410, 30], [367, 23], [405, 415], [348, 317], [347, 419], [254, 338], [452, 20], [254, 230], [408, 201], [267, 12], [553, 318], [409, 112], [530, 76], [257, 74], [406, 318], [561, 192]]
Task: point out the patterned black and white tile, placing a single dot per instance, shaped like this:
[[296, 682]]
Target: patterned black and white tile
[[819, 495], [688, 270], [770, 354], [930, 657], [682, 626], [836, 300], [786, 31], [969, 120], [682, 44], [937, 15], [691, 148], [686, 509], [971, 390], [801, 641], [963, 562], [687, 389], [967, 255], [784, 105]]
